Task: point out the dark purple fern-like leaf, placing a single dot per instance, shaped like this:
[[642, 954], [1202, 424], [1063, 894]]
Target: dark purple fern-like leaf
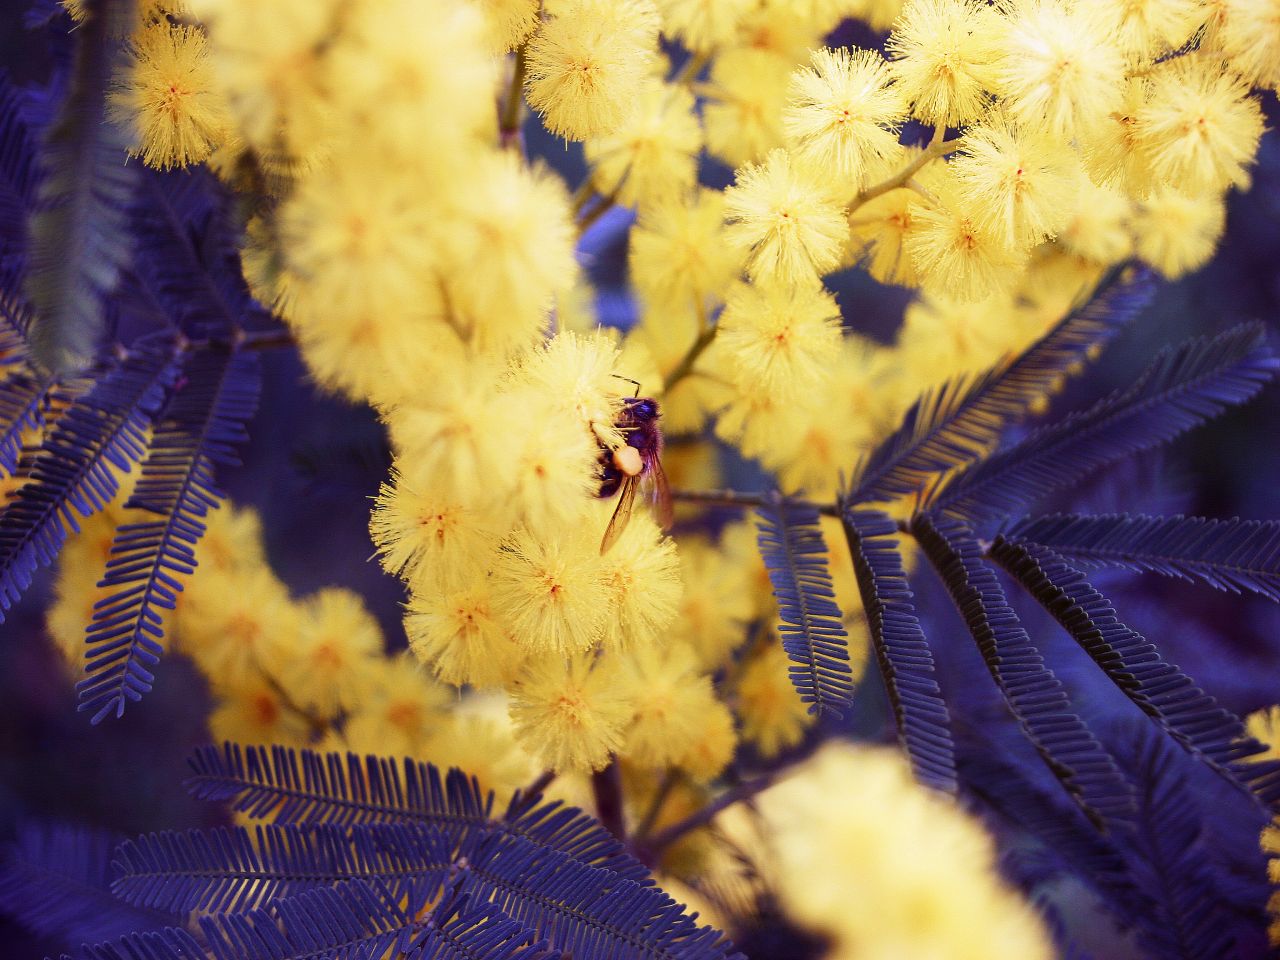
[[1171, 698], [1233, 555], [200, 428], [962, 420], [230, 870], [1180, 390], [1034, 694], [304, 787], [810, 625], [902, 651], [74, 472]]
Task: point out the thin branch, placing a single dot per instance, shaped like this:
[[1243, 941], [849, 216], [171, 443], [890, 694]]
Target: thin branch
[[606, 787], [599, 210], [743, 791], [509, 123], [936, 148], [731, 498], [669, 780], [685, 366], [690, 69]]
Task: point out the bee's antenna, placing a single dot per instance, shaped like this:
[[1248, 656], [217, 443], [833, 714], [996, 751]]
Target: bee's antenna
[[635, 383]]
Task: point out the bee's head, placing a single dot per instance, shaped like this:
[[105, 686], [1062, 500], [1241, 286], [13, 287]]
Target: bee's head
[[644, 408]]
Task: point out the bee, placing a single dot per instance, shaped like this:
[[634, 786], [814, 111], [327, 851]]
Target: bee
[[638, 461]]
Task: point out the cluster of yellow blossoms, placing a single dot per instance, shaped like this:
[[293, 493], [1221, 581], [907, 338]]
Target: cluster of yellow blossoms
[[425, 265]]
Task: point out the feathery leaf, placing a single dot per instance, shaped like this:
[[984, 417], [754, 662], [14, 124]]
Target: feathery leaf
[[963, 419], [171, 943], [18, 179], [1169, 860], [584, 911], [21, 398], [289, 786], [906, 662], [200, 427], [187, 252], [359, 921], [1158, 688], [230, 870], [1233, 555], [101, 432], [1036, 697], [79, 237], [810, 623], [53, 880], [1181, 389]]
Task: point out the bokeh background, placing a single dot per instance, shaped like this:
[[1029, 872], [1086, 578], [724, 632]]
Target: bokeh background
[[314, 463]]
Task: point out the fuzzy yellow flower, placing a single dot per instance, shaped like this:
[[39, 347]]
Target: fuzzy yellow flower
[[249, 629], [772, 715], [586, 63], [1198, 127], [256, 714], [702, 25], [422, 535], [1098, 227], [653, 156], [401, 711], [641, 577], [1175, 233], [572, 715], [1019, 185], [955, 252], [578, 375], [678, 254], [715, 605], [789, 224], [457, 634], [510, 21], [667, 695], [1249, 36], [328, 667], [743, 111], [550, 591], [1145, 29], [781, 340], [849, 814], [843, 115], [1059, 70], [169, 98], [715, 740], [943, 56], [517, 221]]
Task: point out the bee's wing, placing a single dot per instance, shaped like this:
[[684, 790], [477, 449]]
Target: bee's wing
[[621, 513], [661, 492]]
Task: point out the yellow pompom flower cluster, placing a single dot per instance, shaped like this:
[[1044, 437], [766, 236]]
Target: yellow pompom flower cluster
[[428, 267], [852, 819]]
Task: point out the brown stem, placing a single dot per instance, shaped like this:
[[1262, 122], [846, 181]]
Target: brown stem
[[668, 783], [606, 787], [936, 148], [685, 366], [690, 69], [509, 123], [596, 212], [731, 498], [743, 791]]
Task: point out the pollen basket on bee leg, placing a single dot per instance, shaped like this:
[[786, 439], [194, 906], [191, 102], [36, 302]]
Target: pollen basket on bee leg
[[628, 461]]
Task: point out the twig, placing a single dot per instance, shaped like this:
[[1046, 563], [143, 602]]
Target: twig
[[668, 783], [731, 498], [685, 366], [606, 787], [509, 124], [936, 148], [743, 791], [599, 210], [690, 69]]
